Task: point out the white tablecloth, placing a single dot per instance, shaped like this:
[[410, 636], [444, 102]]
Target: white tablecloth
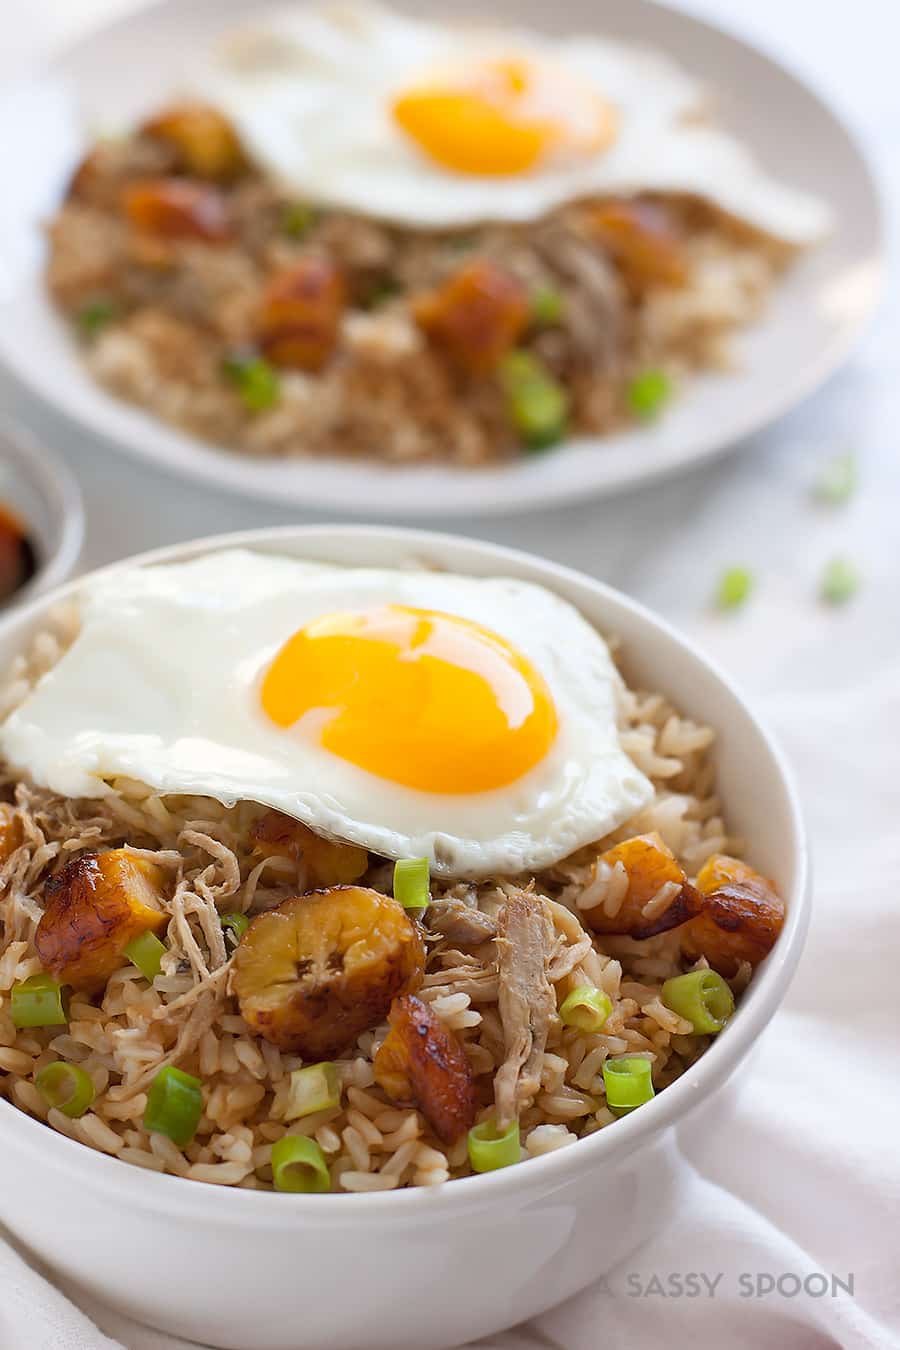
[[802, 1180]]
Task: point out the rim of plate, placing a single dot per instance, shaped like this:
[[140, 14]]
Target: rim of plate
[[175, 1195], [580, 468]]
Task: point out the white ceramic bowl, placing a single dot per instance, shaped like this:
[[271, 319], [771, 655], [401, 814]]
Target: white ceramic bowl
[[46, 498], [119, 72], [414, 1269]]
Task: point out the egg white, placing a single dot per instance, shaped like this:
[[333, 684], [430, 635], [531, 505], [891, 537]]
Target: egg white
[[161, 685], [310, 91]]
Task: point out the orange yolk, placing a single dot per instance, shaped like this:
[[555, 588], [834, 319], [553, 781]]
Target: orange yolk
[[414, 696], [504, 117]]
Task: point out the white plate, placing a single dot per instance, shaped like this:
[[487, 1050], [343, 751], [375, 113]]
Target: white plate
[[817, 313]]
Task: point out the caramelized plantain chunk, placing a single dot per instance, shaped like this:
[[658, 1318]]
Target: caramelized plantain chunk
[[12, 835], [650, 864], [643, 243], [327, 863], [204, 141], [172, 208], [301, 314], [313, 974], [720, 869], [94, 907], [421, 1063], [740, 919], [476, 316]]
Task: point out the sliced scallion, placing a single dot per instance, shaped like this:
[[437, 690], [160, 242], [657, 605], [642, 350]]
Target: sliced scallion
[[840, 581], [236, 924], [65, 1087], [490, 1149], [255, 380], [733, 590], [701, 997], [648, 394], [313, 1088], [411, 883], [838, 480], [298, 1164], [174, 1105], [38, 1001], [146, 952], [585, 1008], [628, 1081]]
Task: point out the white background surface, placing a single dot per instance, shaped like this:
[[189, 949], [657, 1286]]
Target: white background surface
[[807, 1175]]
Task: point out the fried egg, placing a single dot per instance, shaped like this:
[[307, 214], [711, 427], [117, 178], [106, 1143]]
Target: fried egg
[[447, 125], [470, 721]]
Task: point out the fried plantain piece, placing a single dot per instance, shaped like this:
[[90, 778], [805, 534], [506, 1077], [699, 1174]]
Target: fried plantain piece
[[328, 863], [650, 864], [94, 907], [741, 917], [300, 316], [421, 1063], [173, 208], [476, 317], [313, 974], [205, 142]]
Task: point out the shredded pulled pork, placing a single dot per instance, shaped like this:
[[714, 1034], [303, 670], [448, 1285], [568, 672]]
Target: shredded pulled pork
[[525, 943], [460, 923]]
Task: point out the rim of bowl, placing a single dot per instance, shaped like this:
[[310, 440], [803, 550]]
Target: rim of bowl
[[56, 485], [160, 1192]]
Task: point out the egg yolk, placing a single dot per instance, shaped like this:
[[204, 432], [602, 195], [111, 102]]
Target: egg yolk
[[414, 696], [504, 117]]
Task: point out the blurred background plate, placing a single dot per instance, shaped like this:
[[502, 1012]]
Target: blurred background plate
[[105, 81]]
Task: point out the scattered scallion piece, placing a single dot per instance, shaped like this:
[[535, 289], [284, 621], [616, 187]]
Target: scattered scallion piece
[[298, 220], [255, 380], [648, 394], [174, 1104], [489, 1150], [94, 316], [840, 581], [66, 1087], [585, 1008], [537, 404], [735, 585], [547, 306], [38, 1002], [386, 288], [236, 924], [146, 952], [702, 997], [298, 1164], [838, 480], [412, 880], [313, 1088], [628, 1081]]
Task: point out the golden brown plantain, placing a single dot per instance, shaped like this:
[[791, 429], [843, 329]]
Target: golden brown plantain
[[327, 863], [313, 974], [300, 317], [421, 1063], [650, 863], [94, 907], [174, 208], [476, 316], [643, 242], [741, 916], [12, 835], [204, 141]]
